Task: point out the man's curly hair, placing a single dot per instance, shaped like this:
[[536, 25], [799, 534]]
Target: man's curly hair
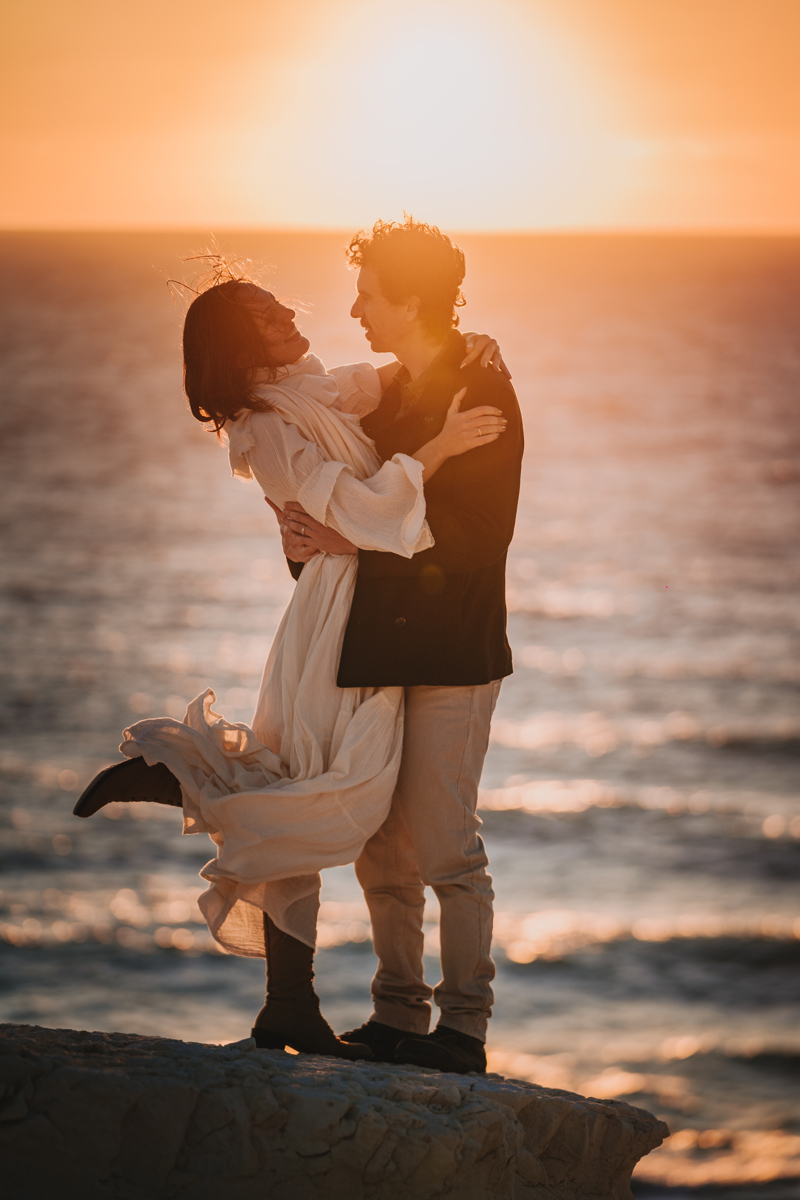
[[412, 259]]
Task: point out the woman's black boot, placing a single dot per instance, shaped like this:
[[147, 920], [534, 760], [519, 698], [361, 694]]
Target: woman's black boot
[[130, 780], [291, 1015]]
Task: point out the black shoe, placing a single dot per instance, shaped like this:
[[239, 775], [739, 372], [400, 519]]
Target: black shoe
[[381, 1039], [446, 1049], [131, 779], [301, 1025], [291, 1015]]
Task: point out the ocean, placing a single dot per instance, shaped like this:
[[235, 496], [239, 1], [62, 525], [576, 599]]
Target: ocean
[[640, 798]]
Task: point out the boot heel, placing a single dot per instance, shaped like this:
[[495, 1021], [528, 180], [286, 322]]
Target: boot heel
[[265, 1039]]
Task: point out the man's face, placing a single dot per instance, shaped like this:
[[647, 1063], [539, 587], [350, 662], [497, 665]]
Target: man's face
[[283, 341], [386, 325]]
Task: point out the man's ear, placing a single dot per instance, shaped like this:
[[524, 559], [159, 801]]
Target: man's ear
[[413, 305]]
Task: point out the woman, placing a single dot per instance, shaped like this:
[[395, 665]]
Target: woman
[[312, 780]]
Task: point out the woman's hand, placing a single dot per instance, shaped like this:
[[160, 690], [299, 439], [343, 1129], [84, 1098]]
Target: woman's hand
[[470, 429], [303, 537], [481, 346], [461, 432]]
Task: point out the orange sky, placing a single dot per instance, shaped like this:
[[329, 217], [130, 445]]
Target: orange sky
[[475, 114]]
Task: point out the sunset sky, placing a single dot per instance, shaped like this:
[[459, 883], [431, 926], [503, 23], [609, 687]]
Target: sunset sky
[[475, 114]]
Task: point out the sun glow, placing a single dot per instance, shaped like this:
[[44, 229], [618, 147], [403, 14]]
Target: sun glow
[[519, 114], [449, 115]]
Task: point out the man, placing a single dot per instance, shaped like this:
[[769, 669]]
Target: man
[[434, 624]]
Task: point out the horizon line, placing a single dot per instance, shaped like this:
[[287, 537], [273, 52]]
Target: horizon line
[[750, 231]]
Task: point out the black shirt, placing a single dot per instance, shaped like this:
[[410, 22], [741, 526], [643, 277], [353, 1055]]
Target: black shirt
[[440, 617]]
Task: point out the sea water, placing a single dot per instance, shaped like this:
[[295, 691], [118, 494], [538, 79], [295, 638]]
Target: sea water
[[640, 797]]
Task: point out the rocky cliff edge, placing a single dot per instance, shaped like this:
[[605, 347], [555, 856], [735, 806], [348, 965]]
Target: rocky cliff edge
[[101, 1116]]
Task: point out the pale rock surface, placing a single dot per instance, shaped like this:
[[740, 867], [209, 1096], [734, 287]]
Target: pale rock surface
[[96, 1116]]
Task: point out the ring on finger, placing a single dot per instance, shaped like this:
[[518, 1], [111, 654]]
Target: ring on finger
[[302, 531], [480, 434]]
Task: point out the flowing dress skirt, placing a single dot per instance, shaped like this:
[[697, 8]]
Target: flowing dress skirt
[[301, 790], [312, 780]]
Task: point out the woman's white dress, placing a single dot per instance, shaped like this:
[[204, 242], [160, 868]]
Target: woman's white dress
[[312, 780]]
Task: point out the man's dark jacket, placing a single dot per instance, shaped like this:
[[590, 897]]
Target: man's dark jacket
[[440, 617]]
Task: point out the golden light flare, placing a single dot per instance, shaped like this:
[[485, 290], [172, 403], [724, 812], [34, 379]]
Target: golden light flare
[[542, 114], [448, 114]]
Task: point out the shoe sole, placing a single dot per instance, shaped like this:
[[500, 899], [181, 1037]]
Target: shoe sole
[[265, 1039], [268, 1041], [376, 1056], [86, 806], [92, 789], [422, 1059], [382, 1048]]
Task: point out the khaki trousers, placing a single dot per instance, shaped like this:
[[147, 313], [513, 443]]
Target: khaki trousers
[[431, 837]]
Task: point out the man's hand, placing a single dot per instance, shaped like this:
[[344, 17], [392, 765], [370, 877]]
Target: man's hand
[[303, 537]]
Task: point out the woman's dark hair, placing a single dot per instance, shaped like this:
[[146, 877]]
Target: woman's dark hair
[[222, 350], [413, 259]]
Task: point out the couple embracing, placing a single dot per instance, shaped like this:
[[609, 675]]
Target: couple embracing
[[396, 493]]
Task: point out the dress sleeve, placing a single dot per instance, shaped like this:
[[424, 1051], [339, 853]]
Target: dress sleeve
[[359, 388], [385, 512]]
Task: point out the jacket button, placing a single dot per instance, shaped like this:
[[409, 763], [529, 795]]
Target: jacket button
[[399, 622]]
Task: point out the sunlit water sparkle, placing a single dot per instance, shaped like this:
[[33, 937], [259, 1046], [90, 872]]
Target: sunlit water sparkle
[[640, 795]]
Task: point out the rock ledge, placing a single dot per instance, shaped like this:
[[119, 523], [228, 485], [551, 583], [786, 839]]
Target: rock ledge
[[96, 1116]]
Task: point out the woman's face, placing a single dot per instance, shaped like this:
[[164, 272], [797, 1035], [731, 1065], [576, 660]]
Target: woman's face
[[282, 339]]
